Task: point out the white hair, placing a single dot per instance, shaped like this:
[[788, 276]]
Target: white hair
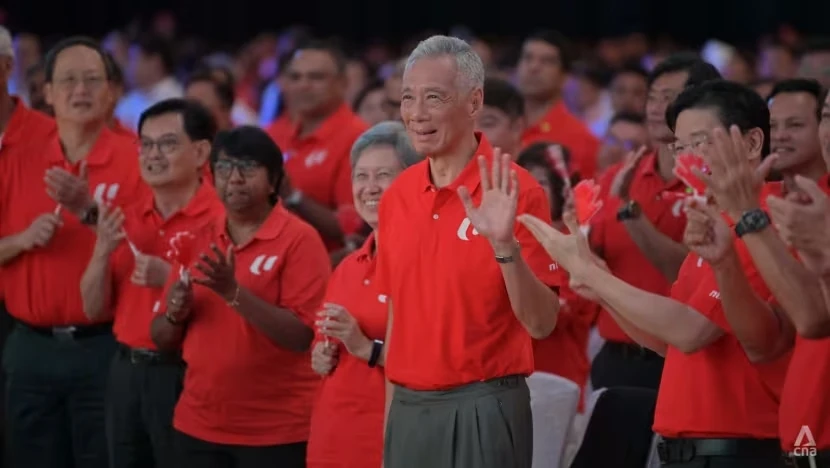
[[389, 133], [470, 67], [6, 46]]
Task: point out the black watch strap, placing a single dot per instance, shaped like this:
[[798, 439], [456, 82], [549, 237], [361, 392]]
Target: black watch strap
[[631, 210], [752, 221], [377, 349], [90, 217]]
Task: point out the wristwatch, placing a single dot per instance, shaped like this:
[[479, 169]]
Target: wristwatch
[[377, 348], [752, 221], [90, 216], [630, 210], [294, 199], [508, 258]]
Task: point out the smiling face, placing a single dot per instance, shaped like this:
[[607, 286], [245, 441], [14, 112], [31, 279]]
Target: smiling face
[[794, 129], [167, 156], [437, 112], [372, 174]]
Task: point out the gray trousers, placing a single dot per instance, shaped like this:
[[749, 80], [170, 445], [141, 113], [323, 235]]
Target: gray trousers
[[480, 425]]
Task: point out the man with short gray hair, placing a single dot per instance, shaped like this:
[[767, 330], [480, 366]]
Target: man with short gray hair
[[466, 286]]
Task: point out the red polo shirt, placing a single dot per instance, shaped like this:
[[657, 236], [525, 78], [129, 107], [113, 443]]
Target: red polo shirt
[[26, 128], [560, 126], [716, 392], [353, 395], [135, 306], [113, 173], [611, 240], [318, 163], [239, 387], [453, 322], [804, 399], [565, 351]]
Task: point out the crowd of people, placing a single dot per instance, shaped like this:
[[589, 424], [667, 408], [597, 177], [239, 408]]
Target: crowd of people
[[363, 261]]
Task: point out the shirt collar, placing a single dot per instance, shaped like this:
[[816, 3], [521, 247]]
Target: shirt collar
[[99, 155], [470, 176], [269, 230], [328, 127], [199, 203], [365, 252]]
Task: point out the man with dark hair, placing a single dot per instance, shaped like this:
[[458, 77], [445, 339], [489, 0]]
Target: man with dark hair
[[814, 61], [638, 230], [800, 315], [502, 118], [629, 87], [795, 112], [216, 96], [151, 74], [701, 423], [128, 269], [544, 62], [59, 359], [316, 137]]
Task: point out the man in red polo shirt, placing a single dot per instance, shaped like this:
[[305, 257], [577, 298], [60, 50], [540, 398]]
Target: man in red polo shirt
[[59, 359], [543, 64], [129, 267], [316, 141], [639, 229], [714, 406], [802, 310], [466, 288]]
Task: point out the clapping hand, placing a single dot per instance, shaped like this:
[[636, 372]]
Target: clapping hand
[[324, 357], [69, 190], [803, 221], [336, 322], [707, 233], [219, 272]]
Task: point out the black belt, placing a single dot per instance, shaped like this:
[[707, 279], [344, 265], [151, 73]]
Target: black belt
[[632, 351], [147, 356], [810, 460], [72, 332], [686, 450]]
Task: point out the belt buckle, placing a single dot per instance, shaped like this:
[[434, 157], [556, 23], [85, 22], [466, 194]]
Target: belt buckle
[[64, 333]]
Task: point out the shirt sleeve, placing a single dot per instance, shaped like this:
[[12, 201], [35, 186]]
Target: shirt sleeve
[[704, 296], [382, 256], [304, 279], [535, 202]]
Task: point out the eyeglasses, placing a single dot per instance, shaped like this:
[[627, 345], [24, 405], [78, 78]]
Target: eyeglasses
[[696, 145], [166, 145], [224, 167], [89, 82]]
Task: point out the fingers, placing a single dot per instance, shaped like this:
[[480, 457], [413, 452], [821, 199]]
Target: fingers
[[506, 174], [230, 259], [540, 230], [513, 192], [810, 188], [485, 175], [571, 222], [466, 199], [766, 166], [496, 170], [82, 170]]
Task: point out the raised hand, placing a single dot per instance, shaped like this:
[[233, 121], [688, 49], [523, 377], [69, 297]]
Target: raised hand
[[707, 233], [69, 190], [735, 181], [219, 271], [109, 230], [150, 271], [495, 217], [621, 185], [803, 221], [571, 251]]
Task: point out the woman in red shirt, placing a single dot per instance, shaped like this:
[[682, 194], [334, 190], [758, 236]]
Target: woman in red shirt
[[244, 321], [347, 420]]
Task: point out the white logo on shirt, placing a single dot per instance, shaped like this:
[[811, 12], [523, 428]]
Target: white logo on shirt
[[315, 158], [105, 192], [156, 307], [553, 267], [699, 262], [382, 298], [715, 295], [805, 448], [677, 208], [462, 230], [263, 263]]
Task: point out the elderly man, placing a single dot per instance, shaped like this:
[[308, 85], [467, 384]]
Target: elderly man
[[466, 286]]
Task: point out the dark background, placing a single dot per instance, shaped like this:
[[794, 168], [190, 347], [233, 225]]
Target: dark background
[[737, 21]]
